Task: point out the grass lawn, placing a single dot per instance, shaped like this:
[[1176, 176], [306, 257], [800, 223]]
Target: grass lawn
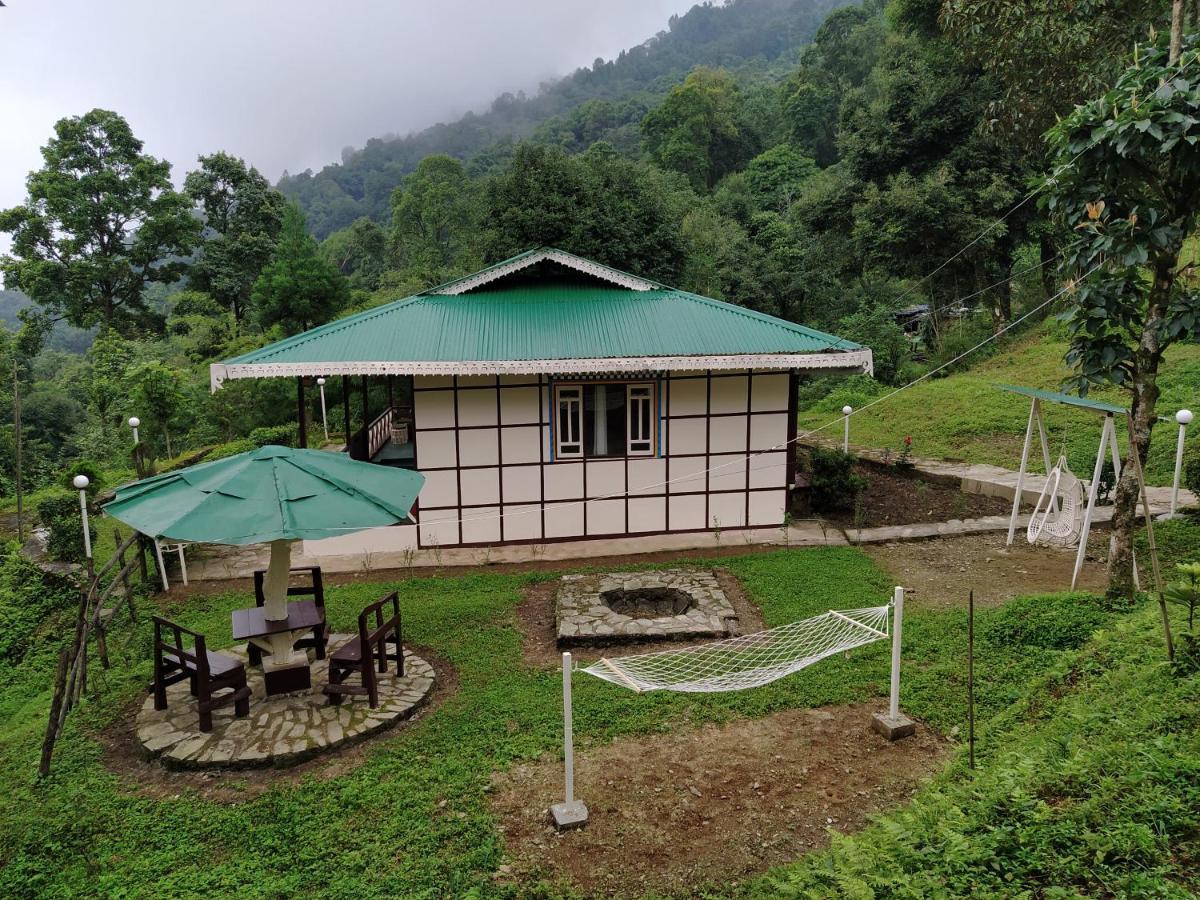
[[963, 416], [413, 819]]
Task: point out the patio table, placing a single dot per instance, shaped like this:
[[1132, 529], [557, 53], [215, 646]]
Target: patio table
[[286, 670]]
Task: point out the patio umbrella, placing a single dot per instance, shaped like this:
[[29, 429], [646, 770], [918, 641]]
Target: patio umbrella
[[273, 495]]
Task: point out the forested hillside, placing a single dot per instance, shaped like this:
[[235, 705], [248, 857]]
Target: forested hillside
[[605, 101]]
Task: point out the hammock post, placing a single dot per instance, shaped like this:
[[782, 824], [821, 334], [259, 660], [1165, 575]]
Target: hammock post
[[894, 724], [571, 813]]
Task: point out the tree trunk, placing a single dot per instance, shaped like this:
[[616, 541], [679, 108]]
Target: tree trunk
[[1176, 31], [167, 438], [1048, 253], [1145, 397]]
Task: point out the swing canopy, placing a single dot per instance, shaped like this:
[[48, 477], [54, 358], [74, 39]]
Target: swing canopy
[[1069, 399]]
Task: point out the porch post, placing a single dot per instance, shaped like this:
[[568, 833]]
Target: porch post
[[366, 389], [346, 413], [391, 392], [301, 413]]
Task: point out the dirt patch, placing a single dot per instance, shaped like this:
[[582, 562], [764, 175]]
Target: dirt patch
[[535, 618], [940, 572], [125, 756], [675, 812], [893, 497]]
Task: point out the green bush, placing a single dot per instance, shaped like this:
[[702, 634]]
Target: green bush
[[1051, 622], [27, 596], [87, 467], [60, 514], [283, 435], [1191, 467], [833, 481]]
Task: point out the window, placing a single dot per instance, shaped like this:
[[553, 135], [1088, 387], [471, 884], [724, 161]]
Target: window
[[568, 422], [597, 421], [639, 400]]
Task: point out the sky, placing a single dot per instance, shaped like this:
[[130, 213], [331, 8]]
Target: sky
[[285, 84]]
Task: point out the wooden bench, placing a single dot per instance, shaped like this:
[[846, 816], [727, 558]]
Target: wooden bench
[[315, 590], [208, 672], [375, 644]]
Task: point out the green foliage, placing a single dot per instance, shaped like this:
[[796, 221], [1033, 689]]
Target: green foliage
[[434, 229], [359, 252], [298, 289], [598, 205], [699, 129], [27, 597], [1053, 622], [158, 390], [282, 435], [832, 479], [59, 512], [242, 218], [101, 223], [876, 328], [1089, 785]]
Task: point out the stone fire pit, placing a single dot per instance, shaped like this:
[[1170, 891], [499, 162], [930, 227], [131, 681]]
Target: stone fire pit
[[619, 607]]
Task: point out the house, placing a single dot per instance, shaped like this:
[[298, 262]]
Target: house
[[549, 398]]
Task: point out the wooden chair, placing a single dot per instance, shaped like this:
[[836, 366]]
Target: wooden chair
[[208, 672], [375, 644], [315, 589]]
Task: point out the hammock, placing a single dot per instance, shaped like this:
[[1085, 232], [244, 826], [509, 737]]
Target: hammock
[[1060, 522], [748, 661]]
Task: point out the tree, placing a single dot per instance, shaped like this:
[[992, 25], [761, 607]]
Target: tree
[[433, 220], [359, 252], [1046, 55], [776, 175], [242, 217], [100, 224], [1128, 188], [700, 129], [158, 389], [298, 288]]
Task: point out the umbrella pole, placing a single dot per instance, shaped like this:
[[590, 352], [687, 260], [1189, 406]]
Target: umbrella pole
[[275, 584]]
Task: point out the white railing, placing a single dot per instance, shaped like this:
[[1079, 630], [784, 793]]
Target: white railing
[[379, 432]]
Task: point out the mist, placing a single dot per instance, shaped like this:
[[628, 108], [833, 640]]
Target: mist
[[285, 84]]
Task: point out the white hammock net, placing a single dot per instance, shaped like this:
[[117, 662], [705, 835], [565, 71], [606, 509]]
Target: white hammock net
[[748, 661], [1057, 518]]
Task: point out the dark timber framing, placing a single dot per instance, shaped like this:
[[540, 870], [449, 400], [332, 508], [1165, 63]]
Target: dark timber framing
[[737, 481]]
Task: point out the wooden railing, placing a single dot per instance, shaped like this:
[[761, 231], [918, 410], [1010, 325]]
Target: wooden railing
[[92, 621], [379, 432]]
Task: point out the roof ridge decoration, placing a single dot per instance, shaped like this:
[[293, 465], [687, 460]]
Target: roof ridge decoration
[[542, 254]]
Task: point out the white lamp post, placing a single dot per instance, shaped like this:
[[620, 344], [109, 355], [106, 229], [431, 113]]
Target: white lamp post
[[846, 410], [1183, 417], [324, 423], [134, 422], [81, 482]]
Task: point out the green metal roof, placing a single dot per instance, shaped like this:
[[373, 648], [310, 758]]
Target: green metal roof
[[551, 320], [1068, 399]]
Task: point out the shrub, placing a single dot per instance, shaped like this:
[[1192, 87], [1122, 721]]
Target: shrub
[[87, 467], [284, 435], [834, 483], [1051, 622], [60, 514], [1191, 467], [27, 596]]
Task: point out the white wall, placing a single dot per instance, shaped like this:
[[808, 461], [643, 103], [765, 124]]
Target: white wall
[[484, 446]]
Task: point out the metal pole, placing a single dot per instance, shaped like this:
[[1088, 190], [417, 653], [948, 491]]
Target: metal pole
[[897, 626], [846, 410], [324, 420], [571, 813], [568, 728], [971, 678], [1183, 417], [17, 435], [1016, 507], [81, 482]]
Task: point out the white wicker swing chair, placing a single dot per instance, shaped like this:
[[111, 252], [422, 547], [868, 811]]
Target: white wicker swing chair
[[1057, 518]]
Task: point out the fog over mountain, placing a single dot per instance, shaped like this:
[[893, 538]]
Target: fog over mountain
[[285, 83]]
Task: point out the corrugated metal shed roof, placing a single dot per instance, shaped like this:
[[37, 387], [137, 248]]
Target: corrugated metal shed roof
[[549, 320]]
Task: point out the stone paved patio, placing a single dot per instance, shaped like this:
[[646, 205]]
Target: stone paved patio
[[283, 729], [673, 604]]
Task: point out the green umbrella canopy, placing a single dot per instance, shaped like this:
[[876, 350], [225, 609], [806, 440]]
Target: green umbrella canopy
[[269, 494]]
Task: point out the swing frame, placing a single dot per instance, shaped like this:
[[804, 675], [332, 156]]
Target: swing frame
[[1108, 443]]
